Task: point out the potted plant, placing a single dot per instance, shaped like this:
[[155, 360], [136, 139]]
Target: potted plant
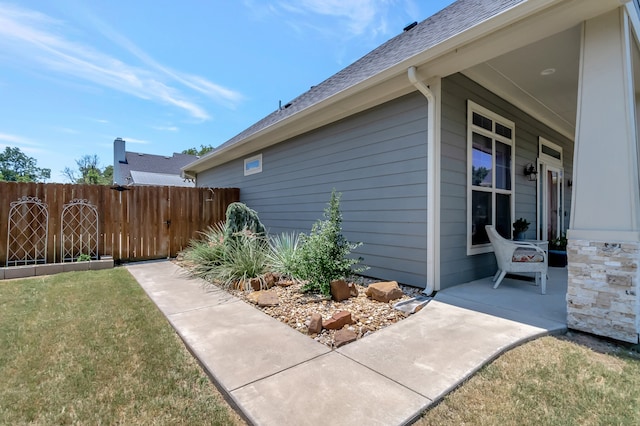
[[520, 227], [558, 251]]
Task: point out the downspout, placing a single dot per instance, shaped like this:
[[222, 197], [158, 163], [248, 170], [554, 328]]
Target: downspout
[[431, 178]]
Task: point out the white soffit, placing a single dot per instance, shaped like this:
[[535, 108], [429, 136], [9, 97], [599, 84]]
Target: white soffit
[[541, 79]]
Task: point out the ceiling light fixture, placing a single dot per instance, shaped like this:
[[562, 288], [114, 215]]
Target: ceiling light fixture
[[548, 71]]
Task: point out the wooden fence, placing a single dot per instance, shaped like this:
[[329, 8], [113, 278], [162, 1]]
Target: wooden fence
[[134, 222]]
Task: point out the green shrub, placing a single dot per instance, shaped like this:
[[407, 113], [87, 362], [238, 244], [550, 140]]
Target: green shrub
[[324, 254], [83, 258], [241, 218], [204, 255], [283, 249]]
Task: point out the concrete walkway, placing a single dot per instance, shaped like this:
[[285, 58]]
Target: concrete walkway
[[278, 376]]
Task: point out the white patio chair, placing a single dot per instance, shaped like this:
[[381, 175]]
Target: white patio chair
[[518, 256]]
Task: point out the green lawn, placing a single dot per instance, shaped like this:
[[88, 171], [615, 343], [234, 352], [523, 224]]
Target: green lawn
[[549, 381], [91, 348]]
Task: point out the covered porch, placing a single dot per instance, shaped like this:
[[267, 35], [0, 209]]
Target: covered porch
[[582, 81], [516, 299]]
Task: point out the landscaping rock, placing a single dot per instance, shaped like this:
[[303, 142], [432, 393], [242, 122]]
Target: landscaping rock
[[384, 291], [268, 298], [271, 279], [315, 325], [338, 320], [253, 297], [255, 284], [264, 298], [353, 290], [340, 290], [344, 336]]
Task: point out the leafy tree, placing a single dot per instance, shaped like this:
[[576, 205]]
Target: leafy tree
[[199, 152], [16, 166], [89, 171]]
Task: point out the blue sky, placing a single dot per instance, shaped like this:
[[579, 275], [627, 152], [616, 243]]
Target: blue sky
[[168, 75]]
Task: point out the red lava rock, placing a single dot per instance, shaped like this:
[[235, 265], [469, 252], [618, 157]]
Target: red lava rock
[[338, 320]]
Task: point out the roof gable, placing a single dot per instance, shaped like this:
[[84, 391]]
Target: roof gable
[[445, 24]]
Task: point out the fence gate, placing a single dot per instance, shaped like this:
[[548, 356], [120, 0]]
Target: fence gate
[[28, 231], [79, 229]]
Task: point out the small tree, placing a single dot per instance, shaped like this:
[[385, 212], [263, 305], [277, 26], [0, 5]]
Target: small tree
[[89, 171], [324, 254]]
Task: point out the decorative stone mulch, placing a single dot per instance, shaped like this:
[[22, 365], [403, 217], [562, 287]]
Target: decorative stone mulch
[[295, 309]]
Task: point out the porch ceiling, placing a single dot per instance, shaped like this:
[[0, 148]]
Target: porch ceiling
[[540, 78]]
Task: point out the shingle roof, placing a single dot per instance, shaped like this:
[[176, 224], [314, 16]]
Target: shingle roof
[[156, 163], [161, 179], [452, 20]]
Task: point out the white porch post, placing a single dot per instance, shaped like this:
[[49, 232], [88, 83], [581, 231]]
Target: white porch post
[[604, 235]]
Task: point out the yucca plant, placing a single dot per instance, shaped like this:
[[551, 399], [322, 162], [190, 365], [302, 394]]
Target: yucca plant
[[245, 257], [283, 249], [204, 255]]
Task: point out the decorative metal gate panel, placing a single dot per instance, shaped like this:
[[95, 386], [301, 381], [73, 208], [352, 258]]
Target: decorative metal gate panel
[[27, 232], [79, 229]]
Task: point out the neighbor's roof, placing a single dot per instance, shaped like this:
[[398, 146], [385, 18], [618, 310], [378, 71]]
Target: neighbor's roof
[[156, 163], [160, 179], [451, 21]]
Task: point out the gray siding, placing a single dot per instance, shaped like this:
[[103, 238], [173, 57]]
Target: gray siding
[[456, 266], [377, 159]]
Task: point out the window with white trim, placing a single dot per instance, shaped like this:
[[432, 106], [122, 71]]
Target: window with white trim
[[253, 165], [490, 176]]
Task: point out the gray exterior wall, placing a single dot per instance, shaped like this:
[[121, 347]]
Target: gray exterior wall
[[377, 159], [456, 266]]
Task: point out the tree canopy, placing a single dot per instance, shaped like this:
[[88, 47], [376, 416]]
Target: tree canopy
[[89, 171], [199, 152], [16, 166]]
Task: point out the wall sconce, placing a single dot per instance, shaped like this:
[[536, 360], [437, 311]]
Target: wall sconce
[[569, 183], [530, 172]]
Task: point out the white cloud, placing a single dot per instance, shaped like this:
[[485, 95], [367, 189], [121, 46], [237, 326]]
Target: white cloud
[[359, 17], [24, 144], [167, 128], [39, 41], [138, 141]]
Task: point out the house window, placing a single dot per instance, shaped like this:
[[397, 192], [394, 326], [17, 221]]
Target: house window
[[253, 165], [490, 201]]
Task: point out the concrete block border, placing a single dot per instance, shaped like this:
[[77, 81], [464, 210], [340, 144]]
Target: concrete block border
[[25, 271]]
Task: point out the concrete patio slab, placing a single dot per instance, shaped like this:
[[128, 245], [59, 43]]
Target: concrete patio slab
[[328, 390], [436, 349], [239, 344], [515, 299], [176, 292]]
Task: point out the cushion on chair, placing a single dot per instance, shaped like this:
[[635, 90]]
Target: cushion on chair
[[527, 255]]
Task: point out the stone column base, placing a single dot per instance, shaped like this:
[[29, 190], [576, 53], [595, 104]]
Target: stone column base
[[603, 287]]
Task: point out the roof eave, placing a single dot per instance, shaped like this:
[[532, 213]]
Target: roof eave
[[451, 55]]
